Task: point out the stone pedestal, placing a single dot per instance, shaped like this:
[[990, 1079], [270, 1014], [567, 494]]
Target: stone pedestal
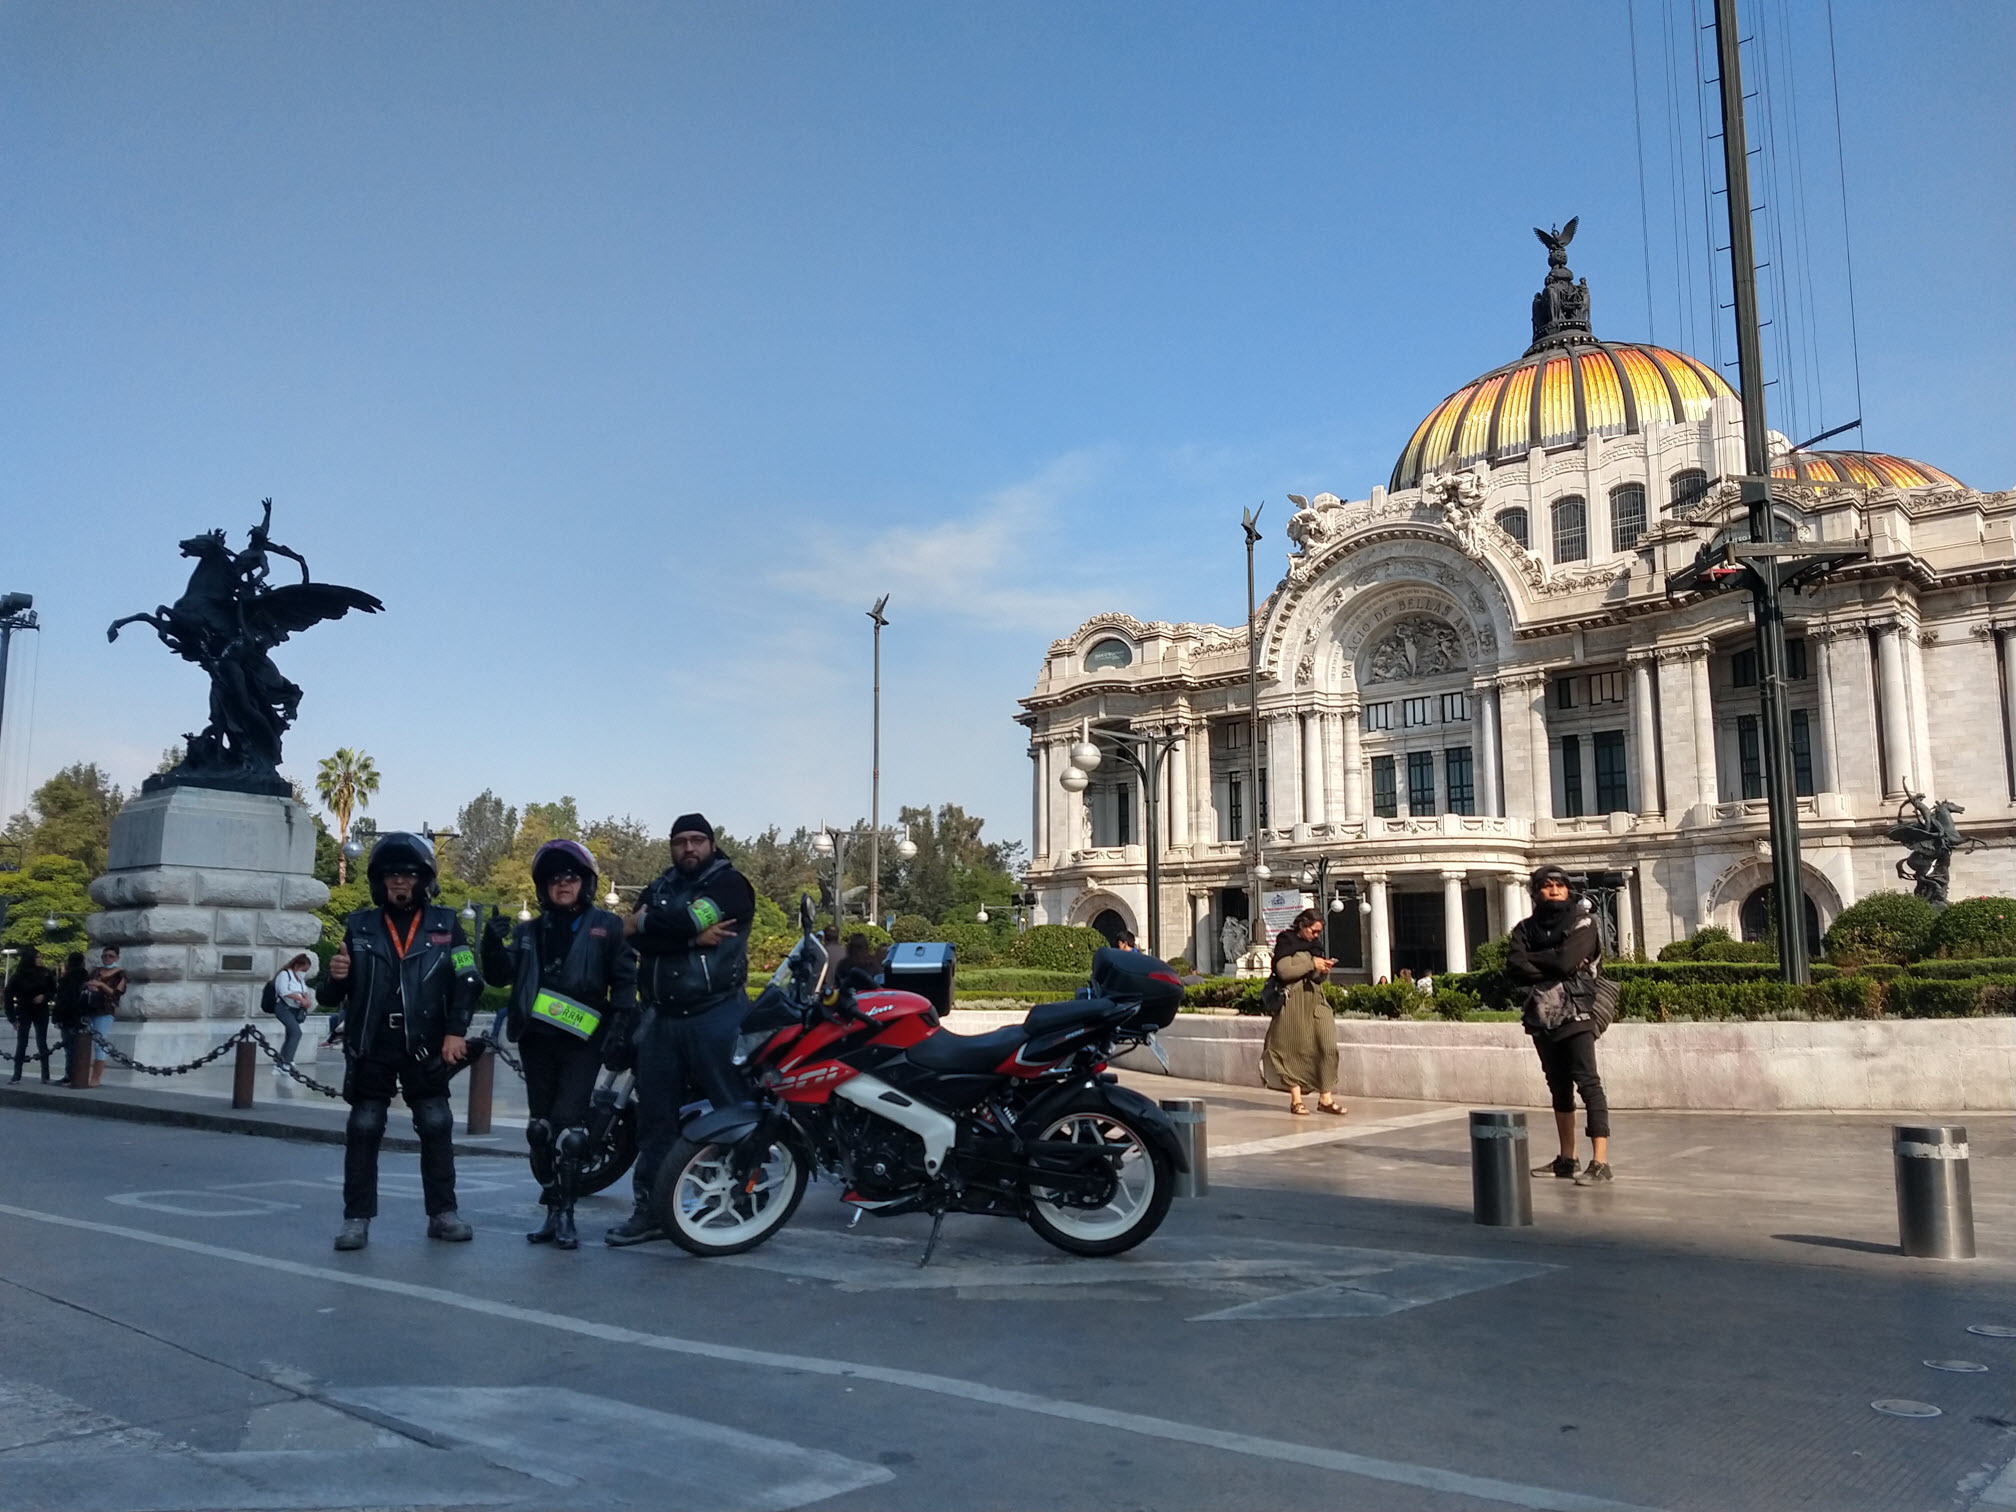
[[206, 895]]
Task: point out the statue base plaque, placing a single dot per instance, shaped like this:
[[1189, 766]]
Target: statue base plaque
[[206, 894]]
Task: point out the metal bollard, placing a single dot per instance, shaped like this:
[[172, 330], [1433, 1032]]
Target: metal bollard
[[83, 1051], [244, 1074], [1187, 1113], [1501, 1180], [482, 1086], [1935, 1195]]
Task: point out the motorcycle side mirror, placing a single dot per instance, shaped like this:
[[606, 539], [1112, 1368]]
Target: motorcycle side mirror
[[805, 914]]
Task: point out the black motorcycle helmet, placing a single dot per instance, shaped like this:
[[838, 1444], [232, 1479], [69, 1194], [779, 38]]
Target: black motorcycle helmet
[[400, 851], [557, 856], [1543, 876]]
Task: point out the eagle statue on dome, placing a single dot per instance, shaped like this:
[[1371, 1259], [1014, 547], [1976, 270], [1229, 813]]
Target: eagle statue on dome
[[1561, 308]]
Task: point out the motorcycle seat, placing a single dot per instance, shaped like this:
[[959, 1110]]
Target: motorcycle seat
[[1048, 1018], [946, 1051]]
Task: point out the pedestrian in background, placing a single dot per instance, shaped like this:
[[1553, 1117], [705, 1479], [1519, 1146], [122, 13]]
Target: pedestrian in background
[[72, 1017], [31, 994], [291, 1005], [1301, 1046], [102, 992], [1550, 955]]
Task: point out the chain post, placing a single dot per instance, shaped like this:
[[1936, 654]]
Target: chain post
[[244, 1074], [482, 1088]]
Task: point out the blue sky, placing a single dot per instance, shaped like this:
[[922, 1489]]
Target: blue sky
[[628, 352]]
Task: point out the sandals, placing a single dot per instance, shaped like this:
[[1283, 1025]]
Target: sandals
[[1299, 1108], [1332, 1107]]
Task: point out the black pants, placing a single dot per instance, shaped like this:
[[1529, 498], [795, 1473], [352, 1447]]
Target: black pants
[[1570, 1065], [368, 1086], [680, 1060], [560, 1074], [39, 1018]]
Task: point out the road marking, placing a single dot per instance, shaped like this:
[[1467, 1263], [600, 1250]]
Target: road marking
[[1395, 1472], [1337, 1135], [238, 1205]]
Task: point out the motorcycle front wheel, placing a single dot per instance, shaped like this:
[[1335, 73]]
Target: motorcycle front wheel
[[613, 1155], [705, 1209], [1146, 1184]]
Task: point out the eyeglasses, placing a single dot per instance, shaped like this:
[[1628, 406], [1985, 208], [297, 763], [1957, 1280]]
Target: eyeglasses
[[566, 876]]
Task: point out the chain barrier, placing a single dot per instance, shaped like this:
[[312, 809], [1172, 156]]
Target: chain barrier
[[496, 1047], [248, 1032]]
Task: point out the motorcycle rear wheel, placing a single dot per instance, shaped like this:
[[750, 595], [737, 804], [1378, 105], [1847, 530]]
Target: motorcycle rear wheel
[[1147, 1186], [606, 1164], [705, 1211]]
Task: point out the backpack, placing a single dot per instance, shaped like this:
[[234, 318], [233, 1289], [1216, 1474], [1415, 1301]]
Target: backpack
[[269, 998], [1273, 995]]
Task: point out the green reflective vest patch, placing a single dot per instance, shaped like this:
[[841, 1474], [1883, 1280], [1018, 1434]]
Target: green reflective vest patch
[[463, 957], [704, 913], [578, 1019]]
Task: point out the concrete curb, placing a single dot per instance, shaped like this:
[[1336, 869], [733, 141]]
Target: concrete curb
[[137, 1105]]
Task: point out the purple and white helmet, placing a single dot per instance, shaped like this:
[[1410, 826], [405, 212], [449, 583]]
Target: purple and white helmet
[[557, 856]]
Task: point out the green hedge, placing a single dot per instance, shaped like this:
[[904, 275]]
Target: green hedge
[[1982, 966], [1056, 947], [1973, 928], [1004, 980]]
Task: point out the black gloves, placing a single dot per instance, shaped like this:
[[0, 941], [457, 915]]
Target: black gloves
[[499, 927], [619, 1053]]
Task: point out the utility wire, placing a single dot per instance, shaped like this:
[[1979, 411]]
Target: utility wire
[[1638, 127], [1847, 240]]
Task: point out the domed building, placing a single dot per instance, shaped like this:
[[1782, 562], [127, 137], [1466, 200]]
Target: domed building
[[1479, 666]]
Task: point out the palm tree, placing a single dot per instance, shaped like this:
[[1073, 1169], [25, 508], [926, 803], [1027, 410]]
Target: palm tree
[[345, 782]]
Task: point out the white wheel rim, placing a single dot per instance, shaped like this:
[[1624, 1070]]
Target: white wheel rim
[[1131, 1196], [706, 1197]]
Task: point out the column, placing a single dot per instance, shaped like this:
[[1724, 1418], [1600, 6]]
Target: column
[[1820, 650], [1203, 946], [1455, 940], [1039, 835], [1333, 767], [1354, 764], [1627, 923], [1704, 726], [2009, 688], [1314, 810], [1176, 768], [1924, 774], [1515, 715], [1379, 962], [1073, 808], [1897, 776], [1587, 756], [1533, 691], [1645, 738], [1484, 718], [1284, 810], [1513, 900], [1684, 785]]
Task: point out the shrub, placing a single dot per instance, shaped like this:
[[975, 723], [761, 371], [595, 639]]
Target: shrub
[[1056, 947], [906, 929], [1981, 967], [1041, 986], [1935, 997], [1885, 926], [1179, 964], [972, 944], [1976, 927]]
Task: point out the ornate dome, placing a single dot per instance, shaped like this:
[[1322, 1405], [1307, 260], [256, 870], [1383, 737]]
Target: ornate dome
[[1861, 470], [1568, 387]]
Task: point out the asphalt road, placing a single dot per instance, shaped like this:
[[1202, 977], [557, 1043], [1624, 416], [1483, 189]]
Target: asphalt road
[[1326, 1330]]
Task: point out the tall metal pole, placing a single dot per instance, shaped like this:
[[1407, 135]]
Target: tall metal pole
[[1252, 524], [875, 777], [1151, 804], [1787, 883]]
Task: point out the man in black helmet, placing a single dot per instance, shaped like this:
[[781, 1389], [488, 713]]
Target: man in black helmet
[[573, 981], [691, 929], [1549, 955], [409, 977]]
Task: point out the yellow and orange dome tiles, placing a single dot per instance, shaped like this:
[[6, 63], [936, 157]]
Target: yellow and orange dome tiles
[[1861, 470], [1559, 396]]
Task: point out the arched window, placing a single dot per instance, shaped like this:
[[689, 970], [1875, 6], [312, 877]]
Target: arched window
[[1571, 529], [1686, 489], [1627, 516], [1758, 920], [1513, 523], [1109, 924], [1108, 654]]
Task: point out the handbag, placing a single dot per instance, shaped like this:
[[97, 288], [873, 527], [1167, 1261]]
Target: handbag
[[1273, 995], [1588, 1002]]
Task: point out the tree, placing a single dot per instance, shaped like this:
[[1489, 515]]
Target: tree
[[46, 887], [345, 783], [779, 868], [954, 871], [488, 827], [70, 815], [512, 875], [627, 851]]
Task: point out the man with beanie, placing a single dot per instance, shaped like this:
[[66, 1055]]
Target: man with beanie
[[691, 930], [573, 982], [1545, 955], [409, 978]]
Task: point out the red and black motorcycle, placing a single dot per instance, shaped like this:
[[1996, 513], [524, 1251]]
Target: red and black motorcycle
[[861, 1084]]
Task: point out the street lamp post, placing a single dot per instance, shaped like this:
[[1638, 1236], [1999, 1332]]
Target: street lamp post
[[834, 842], [1251, 523], [875, 773], [1145, 752], [17, 612]]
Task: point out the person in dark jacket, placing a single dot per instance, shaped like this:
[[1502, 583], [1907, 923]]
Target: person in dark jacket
[[73, 1014], [573, 981], [691, 930], [1557, 944], [31, 995], [409, 977]]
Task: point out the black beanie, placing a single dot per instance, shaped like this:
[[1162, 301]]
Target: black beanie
[[696, 823]]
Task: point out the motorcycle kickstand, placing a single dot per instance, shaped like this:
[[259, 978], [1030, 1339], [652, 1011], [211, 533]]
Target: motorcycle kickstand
[[937, 1223], [855, 1221]]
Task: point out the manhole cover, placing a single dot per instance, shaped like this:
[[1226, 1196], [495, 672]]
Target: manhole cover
[[1898, 1407], [1992, 1330], [1958, 1367]]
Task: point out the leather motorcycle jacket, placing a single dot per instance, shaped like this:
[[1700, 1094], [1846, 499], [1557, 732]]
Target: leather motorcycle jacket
[[598, 970], [678, 975], [415, 998]]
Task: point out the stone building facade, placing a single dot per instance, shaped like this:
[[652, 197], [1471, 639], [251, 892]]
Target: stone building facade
[[1478, 668]]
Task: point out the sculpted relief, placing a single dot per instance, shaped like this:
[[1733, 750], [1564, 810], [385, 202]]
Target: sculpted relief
[[1415, 647]]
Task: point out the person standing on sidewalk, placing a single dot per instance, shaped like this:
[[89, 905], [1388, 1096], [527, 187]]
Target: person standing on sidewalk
[[72, 1018], [1301, 1046], [691, 929], [573, 981], [107, 985], [31, 994], [1546, 955], [410, 980], [291, 1005]]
